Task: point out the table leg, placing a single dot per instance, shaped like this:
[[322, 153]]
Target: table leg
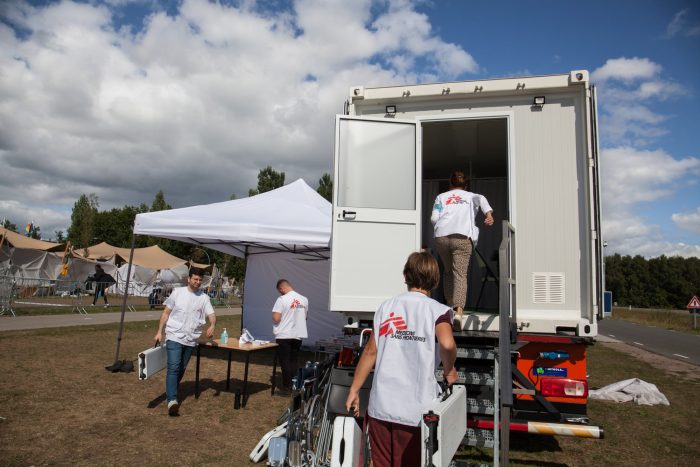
[[196, 378], [274, 373], [245, 380], [228, 372]]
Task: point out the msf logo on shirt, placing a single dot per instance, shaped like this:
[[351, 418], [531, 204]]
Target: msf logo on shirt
[[455, 199], [392, 324], [296, 304]]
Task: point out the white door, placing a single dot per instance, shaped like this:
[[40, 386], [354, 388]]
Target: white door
[[376, 210]]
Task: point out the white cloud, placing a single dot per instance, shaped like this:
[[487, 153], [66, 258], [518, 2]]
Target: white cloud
[[631, 177], [626, 70], [680, 25], [194, 104], [688, 221]]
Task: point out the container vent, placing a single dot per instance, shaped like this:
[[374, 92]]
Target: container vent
[[548, 287]]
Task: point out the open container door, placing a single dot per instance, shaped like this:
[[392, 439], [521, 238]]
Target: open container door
[[376, 210]]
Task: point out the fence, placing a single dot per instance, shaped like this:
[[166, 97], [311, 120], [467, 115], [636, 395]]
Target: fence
[[21, 295]]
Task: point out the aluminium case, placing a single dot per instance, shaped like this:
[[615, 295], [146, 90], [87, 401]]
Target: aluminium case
[[552, 181]]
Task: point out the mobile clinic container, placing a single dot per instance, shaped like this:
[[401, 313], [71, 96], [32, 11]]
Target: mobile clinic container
[[530, 146]]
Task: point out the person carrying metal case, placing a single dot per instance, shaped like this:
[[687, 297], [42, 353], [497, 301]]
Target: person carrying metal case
[[186, 310], [402, 352]]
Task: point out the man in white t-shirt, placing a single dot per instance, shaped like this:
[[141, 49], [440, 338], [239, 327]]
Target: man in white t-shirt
[[183, 317], [289, 316]]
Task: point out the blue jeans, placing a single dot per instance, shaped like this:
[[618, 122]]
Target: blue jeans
[[178, 357]]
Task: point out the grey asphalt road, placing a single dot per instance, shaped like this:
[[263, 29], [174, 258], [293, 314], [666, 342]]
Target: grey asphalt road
[[677, 345], [10, 323]]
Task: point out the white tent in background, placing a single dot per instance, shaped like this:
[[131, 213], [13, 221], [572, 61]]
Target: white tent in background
[[283, 233]]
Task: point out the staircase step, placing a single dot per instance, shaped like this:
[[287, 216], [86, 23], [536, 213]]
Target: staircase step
[[469, 377], [479, 406], [475, 353], [479, 438]]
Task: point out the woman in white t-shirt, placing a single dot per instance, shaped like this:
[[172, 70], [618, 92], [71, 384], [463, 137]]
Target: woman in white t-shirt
[[455, 235], [402, 352]]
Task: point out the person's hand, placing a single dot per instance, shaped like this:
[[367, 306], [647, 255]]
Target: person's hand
[[210, 331], [158, 337], [489, 219], [451, 376], [352, 403]]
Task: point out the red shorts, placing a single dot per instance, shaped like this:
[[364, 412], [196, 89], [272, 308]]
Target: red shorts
[[393, 444]]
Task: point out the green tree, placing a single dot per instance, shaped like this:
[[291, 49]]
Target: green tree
[[35, 233], [9, 225], [81, 230], [268, 179], [325, 187], [60, 236], [159, 203]]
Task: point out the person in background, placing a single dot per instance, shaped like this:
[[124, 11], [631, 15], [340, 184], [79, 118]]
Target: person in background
[[289, 316], [183, 317], [402, 352], [455, 236], [102, 281]]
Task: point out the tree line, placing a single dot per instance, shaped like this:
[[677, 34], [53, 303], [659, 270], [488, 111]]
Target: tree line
[[663, 282], [90, 226]]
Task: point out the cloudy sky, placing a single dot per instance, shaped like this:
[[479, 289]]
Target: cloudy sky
[[122, 98]]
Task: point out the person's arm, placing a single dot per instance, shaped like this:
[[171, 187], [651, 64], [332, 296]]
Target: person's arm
[[276, 317], [437, 210], [212, 324], [448, 351], [161, 324], [364, 366], [486, 209]]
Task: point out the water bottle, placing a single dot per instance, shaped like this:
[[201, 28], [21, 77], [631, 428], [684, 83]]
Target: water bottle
[[224, 337]]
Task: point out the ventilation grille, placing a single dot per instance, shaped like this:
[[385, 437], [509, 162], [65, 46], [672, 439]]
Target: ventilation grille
[[548, 287]]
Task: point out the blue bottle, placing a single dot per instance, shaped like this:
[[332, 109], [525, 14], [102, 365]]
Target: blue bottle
[[224, 336]]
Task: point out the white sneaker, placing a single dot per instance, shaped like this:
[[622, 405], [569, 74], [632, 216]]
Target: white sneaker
[[173, 408], [106, 306]]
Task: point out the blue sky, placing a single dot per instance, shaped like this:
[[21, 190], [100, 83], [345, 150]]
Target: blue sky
[[123, 98]]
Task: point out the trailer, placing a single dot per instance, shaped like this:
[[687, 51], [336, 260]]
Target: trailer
[[536, 279]]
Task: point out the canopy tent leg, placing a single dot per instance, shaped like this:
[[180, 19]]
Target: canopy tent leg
[[117, 366], [245, 258]]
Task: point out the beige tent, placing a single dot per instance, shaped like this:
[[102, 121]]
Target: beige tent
[[152, 257], [16, 240]]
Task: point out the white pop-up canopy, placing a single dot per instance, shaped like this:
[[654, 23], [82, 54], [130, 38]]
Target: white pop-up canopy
[[282, 234], [293, 218]]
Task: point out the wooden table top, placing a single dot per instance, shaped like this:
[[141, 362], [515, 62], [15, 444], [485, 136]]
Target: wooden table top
[[232, 344]]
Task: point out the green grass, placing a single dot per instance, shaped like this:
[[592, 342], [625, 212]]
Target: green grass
[[677, 320]]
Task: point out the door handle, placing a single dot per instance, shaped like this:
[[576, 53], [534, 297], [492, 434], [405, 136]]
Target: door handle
[[349, 214]]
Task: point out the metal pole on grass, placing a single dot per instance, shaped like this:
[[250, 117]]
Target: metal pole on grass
[[126, 293]]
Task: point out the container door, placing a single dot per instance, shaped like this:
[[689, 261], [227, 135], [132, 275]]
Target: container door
[[376, 212], [598, 265]]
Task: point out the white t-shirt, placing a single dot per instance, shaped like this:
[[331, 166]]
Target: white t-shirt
[[188, 313], [454, 211], [294, 308], [404, 374]]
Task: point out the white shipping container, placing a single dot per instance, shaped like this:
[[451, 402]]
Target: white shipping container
[[528, 144]]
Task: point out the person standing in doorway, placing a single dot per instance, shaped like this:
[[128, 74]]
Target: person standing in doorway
[[289, 316], [456, 233], [186, 311]]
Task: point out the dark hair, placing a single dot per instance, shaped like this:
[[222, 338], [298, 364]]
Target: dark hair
[[421, 271], [458, 180], [196, 272], [98, 267], [282, 281]]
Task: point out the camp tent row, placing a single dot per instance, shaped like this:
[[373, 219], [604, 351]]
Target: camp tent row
[[283, 233], [28, 258]]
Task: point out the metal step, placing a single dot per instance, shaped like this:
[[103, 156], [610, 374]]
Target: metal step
[[469, 377], [475, 353], [479, 438], [479, 406]]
